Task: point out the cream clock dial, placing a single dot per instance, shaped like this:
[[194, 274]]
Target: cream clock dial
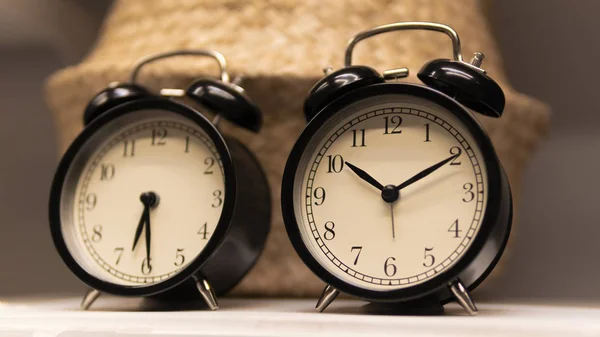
[[171, 162], [385, 245]]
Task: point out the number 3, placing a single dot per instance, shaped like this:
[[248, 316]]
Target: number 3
[[469, 195], [218, 201]]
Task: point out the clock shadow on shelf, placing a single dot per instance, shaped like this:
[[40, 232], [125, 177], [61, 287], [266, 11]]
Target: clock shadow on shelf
[[413, 308], [389, 309], [343, 307], [147, 304], [393, 309]]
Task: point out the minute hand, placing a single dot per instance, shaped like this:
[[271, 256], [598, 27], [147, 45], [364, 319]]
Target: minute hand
[[425, 172], [147, 212]]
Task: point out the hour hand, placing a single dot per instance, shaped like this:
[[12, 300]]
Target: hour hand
[[138, 231], [365, 176], [149, 200]]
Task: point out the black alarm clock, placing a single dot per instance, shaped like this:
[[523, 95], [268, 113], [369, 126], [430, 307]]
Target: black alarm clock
[[152, 200], [393, 192]]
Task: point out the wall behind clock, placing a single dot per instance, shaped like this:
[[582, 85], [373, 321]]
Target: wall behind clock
[[36, 38], [549, 48]]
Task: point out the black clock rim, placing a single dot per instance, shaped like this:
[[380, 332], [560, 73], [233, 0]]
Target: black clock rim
[[213, 243], [494, 177]]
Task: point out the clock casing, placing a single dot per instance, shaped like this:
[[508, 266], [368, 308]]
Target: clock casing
[[236, 242], [486, 248]]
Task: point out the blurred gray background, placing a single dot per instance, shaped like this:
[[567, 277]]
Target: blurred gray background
[[549, 48]]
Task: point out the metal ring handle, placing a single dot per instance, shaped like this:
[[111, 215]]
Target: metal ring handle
[[199, 52], [405, 26]]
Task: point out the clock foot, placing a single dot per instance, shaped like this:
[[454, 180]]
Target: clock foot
[[329, 294], [216, 121], [463, 297], [89, 298], [208, 293]]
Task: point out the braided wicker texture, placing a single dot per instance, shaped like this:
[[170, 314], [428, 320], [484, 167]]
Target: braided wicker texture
[[280, 47]]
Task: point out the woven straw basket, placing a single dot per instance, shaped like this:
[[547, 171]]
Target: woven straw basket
[[280, 47]]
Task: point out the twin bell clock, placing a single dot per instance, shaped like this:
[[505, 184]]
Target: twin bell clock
[[393, 191], [152, 200]]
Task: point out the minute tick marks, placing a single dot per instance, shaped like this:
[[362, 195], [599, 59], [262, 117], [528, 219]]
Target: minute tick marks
[[131, 210], [383, 211]]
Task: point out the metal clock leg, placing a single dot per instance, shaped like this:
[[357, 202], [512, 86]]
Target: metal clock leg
[[329, 294], [207, 292], [90, 297], [463, 297]]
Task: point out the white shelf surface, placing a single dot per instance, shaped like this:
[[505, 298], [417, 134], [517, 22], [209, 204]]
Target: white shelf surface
[[252, 317]]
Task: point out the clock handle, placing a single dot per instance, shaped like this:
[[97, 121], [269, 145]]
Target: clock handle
[[221, 96], [438, 27], [187, 52]]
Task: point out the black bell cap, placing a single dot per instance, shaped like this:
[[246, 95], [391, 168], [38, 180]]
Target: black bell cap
[[467, 85], [228, 100], [337, 84], [110, 98]]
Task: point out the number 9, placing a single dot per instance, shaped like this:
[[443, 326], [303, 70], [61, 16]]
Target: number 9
[[319, 194]]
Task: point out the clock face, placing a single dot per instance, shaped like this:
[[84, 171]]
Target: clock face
[[142, 198], [390, 192]]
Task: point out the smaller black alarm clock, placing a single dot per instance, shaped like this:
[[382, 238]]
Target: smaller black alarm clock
[[152, 200], [393, 192]]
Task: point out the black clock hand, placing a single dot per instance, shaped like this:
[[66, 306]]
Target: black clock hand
[[365, 176], [150, 200], [138, 231], [425, 172], [147, 211], [393, 226]]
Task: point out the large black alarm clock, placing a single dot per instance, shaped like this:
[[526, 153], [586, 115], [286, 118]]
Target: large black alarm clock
[[151, 199], [393, 191]]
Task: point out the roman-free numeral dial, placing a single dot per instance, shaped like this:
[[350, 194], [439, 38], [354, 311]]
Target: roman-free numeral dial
[[148, 201], [393, 194]]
